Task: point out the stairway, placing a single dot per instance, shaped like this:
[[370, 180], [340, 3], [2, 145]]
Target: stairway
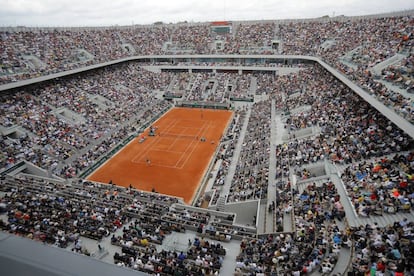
[[221, 204], [388, 62], [353, 218]]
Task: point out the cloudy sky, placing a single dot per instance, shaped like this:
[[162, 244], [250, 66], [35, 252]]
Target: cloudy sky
[[127, 12]]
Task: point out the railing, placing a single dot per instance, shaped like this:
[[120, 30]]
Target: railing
[[208, 105], [12, 168]]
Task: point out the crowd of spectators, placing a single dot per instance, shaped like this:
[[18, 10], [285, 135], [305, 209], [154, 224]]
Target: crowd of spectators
[[253, 38], [60, 49], [215, 87], [242, 87], [202, 87], [250, 180], [221, 92], [227, 150], [68, 120], [76, 120], [265, 84], [388, 35], [315, 246], [96, 210], [81, 110], [401, 74], [201, 258], [57, 213], [381, 186], [383, 251], [194, 39], [179, 85], [49, 132], [56, 46], [349, 129], [330, 144]]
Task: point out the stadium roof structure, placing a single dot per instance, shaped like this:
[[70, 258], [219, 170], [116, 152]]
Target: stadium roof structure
[[21, 256]]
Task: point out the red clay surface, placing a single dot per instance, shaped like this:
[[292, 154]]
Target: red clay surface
[[173, 161]]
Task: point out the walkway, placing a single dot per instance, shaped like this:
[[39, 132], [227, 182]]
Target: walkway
[[277, 131], [173, 242], [397, 89], [130, 122], [233, 165], [269, 222], [352, 216]]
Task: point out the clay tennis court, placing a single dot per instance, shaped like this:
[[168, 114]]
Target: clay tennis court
[[174, 160]]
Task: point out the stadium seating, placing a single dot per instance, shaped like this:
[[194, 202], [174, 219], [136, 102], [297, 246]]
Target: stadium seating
[[334, 182]]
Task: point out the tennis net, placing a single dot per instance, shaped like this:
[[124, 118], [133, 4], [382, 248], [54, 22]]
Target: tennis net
[[178, 136]]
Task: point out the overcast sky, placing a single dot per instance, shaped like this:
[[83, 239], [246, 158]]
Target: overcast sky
[[127, 12]]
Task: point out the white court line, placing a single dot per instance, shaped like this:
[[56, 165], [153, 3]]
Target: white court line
[[171, 151], [182, 153], [198, 135], [204, 129], [138, 157], [185, 128], [191, 144]]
